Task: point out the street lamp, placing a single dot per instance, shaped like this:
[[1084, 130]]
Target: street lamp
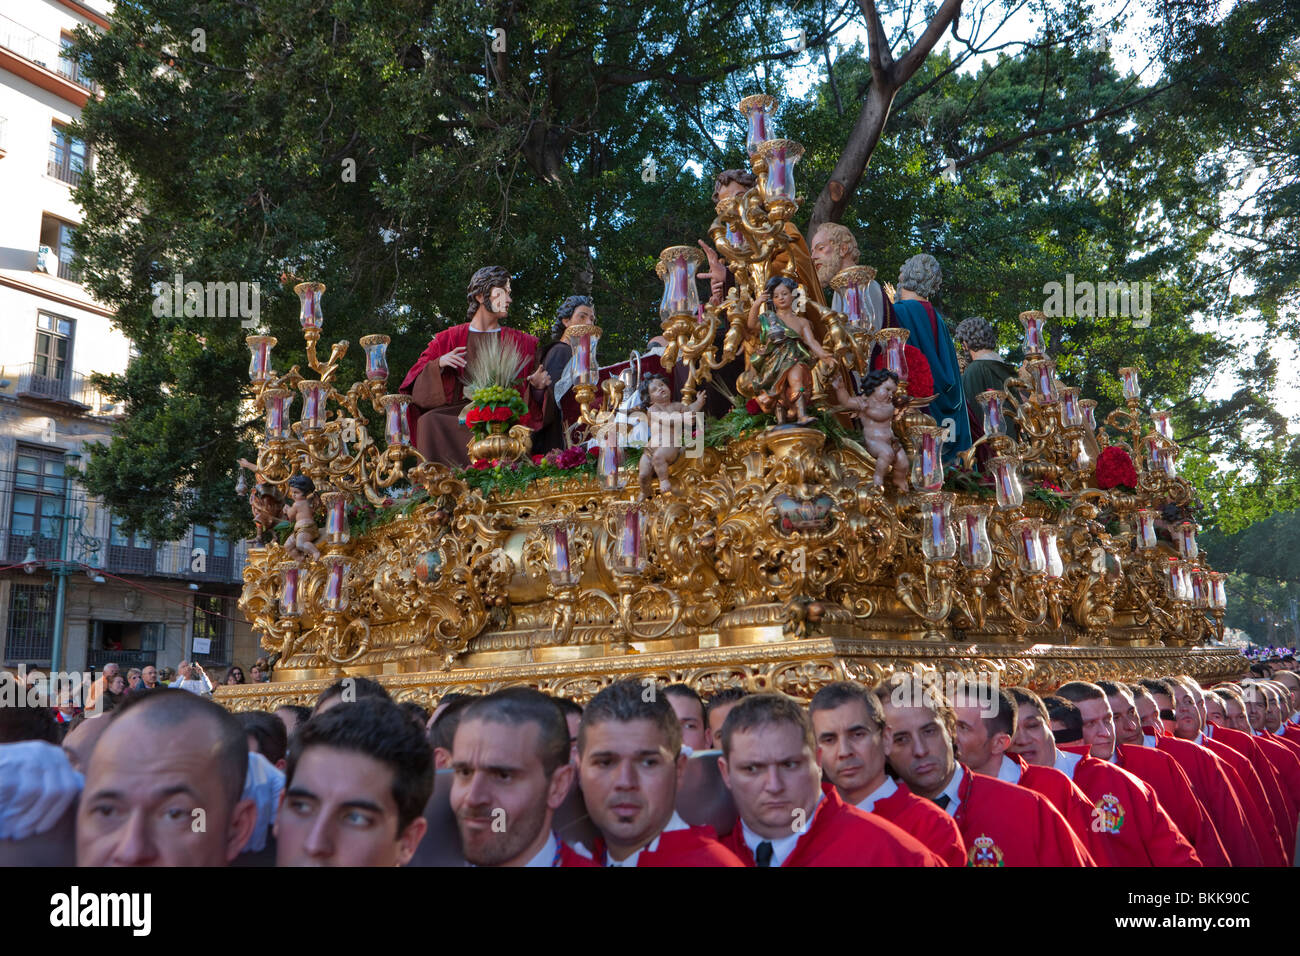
[[62, 568], [29, 560]]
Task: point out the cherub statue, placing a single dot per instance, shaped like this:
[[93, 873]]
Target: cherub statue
[[656, 398], [786, 347], [876, 410], [301, 511], [268, 508]]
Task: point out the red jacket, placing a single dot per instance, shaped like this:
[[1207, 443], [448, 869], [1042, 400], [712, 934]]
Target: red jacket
[[1220, 791], [1069, 800], [1006, 825], [1284, 807], [841, 835], [925, 821], [571, 857], [694, 846], [1128, 817], [1263, 819]]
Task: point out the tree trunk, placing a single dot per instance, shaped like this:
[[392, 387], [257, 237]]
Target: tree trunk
[[848, 171]]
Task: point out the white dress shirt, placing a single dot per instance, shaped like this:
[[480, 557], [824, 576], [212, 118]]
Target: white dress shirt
[[1148, 740], [676, 823], [951, 791], [882, 792], [1066, 762], [546, 855], [783, 847], [1009, 770]]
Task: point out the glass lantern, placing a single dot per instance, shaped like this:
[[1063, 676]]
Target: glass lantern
[[1164, 424], [609, 460], [852, 299], [397, 423], [893, 343], [938, 540], [336, 582], [630, 554], [780, 156], [562, 570], [336, 518], [314, 395], [1218, 591], [1162, 459], [1129, 377], [1200, 588], [290, 605], [1145, 529], [972, 521], [1034, 338], [995, 422], [1185, 538], [376, 349], [927, 457], [583, 339], [1051, 553], [310, 293], [677, 268], [259, 368], [1006, 481], [758, 112], [735, 239], [1080, 456], [1088, 407], [1029, 545], [1071, 413], [278, 402], [1042, 374]]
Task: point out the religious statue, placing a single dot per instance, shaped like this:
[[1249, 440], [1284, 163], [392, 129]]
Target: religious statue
[[265, 501], [301, 511], [876, 410], [556, 357], [918, 282], [986, 369], [436, 380], [780, 368], [833, 250], [656, 397]]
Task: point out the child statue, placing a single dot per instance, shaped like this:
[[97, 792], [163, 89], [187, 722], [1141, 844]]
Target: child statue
[[265, 501], [786, 347], [656, 398], [302, 539], [876, 410]]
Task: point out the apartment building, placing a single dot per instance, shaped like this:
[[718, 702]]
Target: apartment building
[[128, 599]]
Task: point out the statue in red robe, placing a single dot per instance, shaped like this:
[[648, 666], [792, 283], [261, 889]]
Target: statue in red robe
[[435, 380]]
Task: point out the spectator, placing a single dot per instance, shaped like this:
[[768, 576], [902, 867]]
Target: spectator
[[266, 735], [720, 705], [116, 692], [688, 707], [572, 712], [356, 785], [149, 677], [257, 675], [347, 690], [235, 675], [443, 730], [100, 686], [292, 715], [192, 678], [164, 758], [133, 679]]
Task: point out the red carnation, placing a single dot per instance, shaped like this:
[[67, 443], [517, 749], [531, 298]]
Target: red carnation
[[480, 464], [1115, 469], [751, 407], [593, 452], [537, 459], [502, 413], [920, 380]]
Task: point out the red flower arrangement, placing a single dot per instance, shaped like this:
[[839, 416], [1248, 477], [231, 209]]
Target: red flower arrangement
[[1115, 469], [484, 416], [920, 380], [751, 407]]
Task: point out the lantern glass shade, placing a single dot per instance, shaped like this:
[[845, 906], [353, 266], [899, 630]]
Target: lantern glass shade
[[278, 402], [780, 156], [1034, 340], [938, 538], [677, 268], [1080, 457], [630, 553], [735, 239], [1089, 408], [1162, 457], [1200, 588], [995, 422], [1006, 482], [609, 460], [259, 367], [1051, 553], [1218, 591], [562, 569], [336, 583], [1029, 546], [972, 522], [758, 112], [1071, 412], [376, 349], [1185, 535], [397, 425], [309, 294], [290, 605], [852, 299], [1164, 424], [1129, 378], [893, 343], [927, 458], [336, 519], [1042, 374], [584, 355], [314, 395], [1145, 529]]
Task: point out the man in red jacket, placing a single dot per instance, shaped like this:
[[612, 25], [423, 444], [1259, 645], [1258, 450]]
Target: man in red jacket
[[630, 764], [1126, 815], [1002, 824], [848, 725], [785, 817]]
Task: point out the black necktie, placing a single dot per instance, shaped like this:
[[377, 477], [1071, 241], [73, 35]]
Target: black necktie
[[943, 800], [763, 855]]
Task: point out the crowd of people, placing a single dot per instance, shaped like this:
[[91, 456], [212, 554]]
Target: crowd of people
[[919, 770]]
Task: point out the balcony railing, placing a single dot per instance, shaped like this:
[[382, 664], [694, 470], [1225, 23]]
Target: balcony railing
[[69, 172], [95, 660], [69, 388], [41, 50]]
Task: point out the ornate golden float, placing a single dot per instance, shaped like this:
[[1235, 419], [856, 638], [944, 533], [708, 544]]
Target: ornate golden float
[[774, 562]]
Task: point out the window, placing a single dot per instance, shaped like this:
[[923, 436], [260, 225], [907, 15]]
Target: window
[[58, 234], [68, 65], [38, 503], [210, 625], [67, 155], [29, 636], [130, 553], [53, 347], [215, 549]]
